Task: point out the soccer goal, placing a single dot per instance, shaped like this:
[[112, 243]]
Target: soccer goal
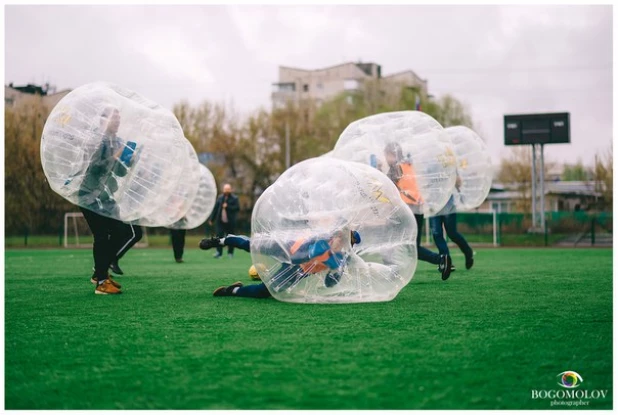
[[77, 233], [479, 228]]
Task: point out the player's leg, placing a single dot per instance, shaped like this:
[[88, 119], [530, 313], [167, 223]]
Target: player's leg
[[229, 230], [450, 224], [220, 231], [231, 241], [238, 290], [237, 241], [424, 254], [438, 234], [100, 226], [253, 291], [123, 237], [100, 247], [178, 243]]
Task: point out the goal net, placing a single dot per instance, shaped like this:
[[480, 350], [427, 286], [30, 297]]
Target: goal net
[[77, 233]]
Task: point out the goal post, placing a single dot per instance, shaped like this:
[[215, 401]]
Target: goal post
[[77, 234]]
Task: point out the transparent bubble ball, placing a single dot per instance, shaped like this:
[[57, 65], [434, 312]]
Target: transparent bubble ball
[[304, 224], [474, 170], [110, 150], [411, 148], [202, 205]]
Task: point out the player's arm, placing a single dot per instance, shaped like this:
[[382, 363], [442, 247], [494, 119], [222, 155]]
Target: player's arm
[[409, 196], [124, 158], [336, 261]]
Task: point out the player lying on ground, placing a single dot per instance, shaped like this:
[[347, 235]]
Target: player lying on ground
[[307, 256]]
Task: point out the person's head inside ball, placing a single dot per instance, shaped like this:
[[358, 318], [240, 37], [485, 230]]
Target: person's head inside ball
[[338, 241], [393, 153], [110, 121]]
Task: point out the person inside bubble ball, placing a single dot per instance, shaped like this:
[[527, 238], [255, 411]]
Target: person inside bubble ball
[[99, 184], [299, 259], [401, 172], [112, 238]]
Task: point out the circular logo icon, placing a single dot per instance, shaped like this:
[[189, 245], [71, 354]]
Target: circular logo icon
[[570, 379]]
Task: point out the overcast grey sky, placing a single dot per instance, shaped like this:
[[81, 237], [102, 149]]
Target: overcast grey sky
[[496, 59]]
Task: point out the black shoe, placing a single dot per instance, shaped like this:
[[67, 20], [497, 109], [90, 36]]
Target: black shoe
[[332, 279], [209, 243], [453, 269], [180, 260], [445, 266], [469, 261], [115, 268], [226, 291]]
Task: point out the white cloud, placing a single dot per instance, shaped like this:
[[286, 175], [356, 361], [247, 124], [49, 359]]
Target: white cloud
[[172, 52]]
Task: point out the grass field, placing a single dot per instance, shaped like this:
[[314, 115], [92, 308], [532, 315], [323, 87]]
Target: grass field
[[484, 339]]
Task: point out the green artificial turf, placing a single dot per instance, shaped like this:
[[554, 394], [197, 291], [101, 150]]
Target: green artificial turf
[[484, 339]]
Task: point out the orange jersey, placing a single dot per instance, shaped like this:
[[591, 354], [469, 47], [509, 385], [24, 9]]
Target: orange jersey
[[408, 188]]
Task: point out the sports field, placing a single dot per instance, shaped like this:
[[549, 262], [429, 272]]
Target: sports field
[[486, 338]]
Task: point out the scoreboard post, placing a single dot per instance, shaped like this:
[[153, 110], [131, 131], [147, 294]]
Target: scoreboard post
[[537, 130]]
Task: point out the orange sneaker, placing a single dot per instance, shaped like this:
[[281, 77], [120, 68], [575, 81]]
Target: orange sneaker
[[109, 277], [107, 288], [114, 282]]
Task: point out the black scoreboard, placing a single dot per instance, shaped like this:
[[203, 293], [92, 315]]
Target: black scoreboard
[[537, 129]]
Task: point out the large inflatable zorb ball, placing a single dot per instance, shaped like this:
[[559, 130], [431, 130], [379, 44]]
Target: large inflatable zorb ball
[[473, 172], [330, 231], [416, 121], [107, 149], [202, 205], [411, 148]]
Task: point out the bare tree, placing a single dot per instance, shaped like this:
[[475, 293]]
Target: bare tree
[[252, 150], [516, 171], [30, 203], [604, 177]]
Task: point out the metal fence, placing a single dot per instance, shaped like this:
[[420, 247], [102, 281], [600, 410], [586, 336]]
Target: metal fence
[[575, 229], [565, 229]]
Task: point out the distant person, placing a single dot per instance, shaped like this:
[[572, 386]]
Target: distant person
[[224, 217], [450, 225], [112, 158], [401, 172]]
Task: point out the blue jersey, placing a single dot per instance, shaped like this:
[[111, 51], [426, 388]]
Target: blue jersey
[[315, 255]]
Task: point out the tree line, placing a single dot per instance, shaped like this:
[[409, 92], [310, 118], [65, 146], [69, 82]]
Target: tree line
[[248, 151]]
